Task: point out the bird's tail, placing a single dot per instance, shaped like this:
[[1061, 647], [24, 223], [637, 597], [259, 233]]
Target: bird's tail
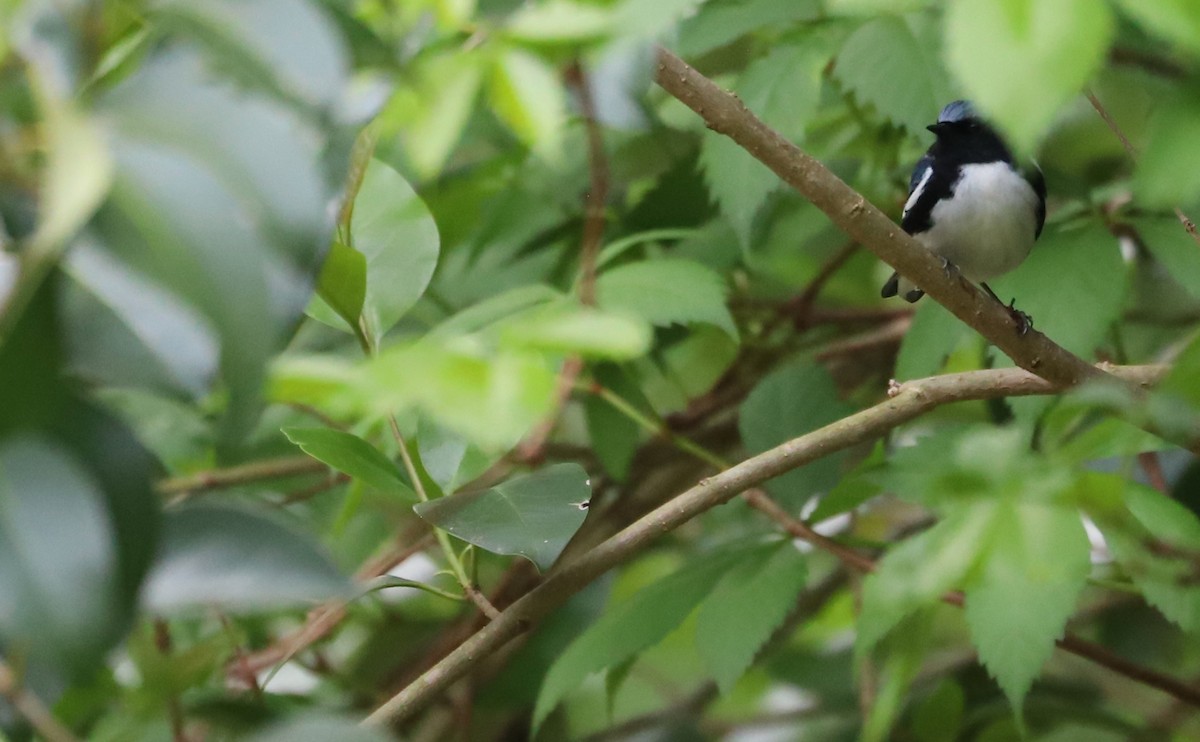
[[897, 285]]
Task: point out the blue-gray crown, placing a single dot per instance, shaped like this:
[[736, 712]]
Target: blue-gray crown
[[959, 110]]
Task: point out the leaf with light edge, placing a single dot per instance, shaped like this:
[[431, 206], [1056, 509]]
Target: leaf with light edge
[[533, 516], [351, 455], [665, 292]]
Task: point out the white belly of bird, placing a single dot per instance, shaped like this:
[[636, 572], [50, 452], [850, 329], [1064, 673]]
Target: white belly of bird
[[989, 226]]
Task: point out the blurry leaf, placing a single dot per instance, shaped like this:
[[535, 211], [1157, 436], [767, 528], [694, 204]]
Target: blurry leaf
[[492, 398], [1024, 591], [933, 335], [59, 598], [448, 86], [392, 227], [626, 629], [351, 455], [528, 96], [897, 661], [666, 292], [1171, 245], [1167, 581], [220, 197], [789, 402], [558, 21], [853, 489], [746, 607], [441, 453], [644, 19], [165, 675], [721, 23], [939, 716], [343, 281], [178, 434], [1097, 280], [784, 87], [1168, 171], [533, 515], [912, 90], [123, 328], [1177, 20], [569, 328], [311, 728], [496, 308], [239, 561], [916, 572], [737, 181], [1022, 60]]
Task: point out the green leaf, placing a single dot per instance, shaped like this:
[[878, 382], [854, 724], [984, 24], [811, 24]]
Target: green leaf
[[914, 87], [1177, 20], [1099, 281], [745, 608], [1025, 589], [789, 402], [615, 437], [722, 23], [934, 334], [1172, 246], [784, 87], [898, 659], [237, 560], [448, 87], [569, 328], [312, 728], [393, 228], [528, 96], [646, 19], [1167, 172], [738, 183], [559, 21], [59, 598], [938, 717], [666, 292], [630, 627], [1167, 581], [351, 455], [343, 281], [1021, 61], [533, 515], [919, 570]]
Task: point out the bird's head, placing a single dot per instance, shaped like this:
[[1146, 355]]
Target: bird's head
[[960, 126]]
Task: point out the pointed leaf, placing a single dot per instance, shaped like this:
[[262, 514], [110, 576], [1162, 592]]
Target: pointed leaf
[[351, 455], [533, 516], [745, 609], [528, 96], [666, 292], [343, 281]]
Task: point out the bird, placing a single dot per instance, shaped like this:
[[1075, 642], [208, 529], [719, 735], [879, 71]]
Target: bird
[[970, 204]]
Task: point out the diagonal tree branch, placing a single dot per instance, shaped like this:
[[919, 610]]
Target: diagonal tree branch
[[906, 402], [724, 113]]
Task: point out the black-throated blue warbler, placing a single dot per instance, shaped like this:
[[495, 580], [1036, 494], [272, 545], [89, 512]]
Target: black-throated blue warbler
[[970, 204]]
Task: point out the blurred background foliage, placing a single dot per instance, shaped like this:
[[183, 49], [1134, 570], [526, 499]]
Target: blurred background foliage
[[390, 303]]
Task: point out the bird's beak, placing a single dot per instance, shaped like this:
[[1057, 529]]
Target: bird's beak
[[935, 128]]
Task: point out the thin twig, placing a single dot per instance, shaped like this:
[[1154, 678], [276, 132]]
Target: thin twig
[[162, 642], [909, 401], [597, 195], [1154, 471], [288, 466], [31, 707]]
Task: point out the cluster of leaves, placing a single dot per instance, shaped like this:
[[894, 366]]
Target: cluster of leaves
[[287, 287]]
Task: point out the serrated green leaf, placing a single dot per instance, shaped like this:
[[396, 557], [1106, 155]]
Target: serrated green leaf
[[918, 571], [722, 23], [238, 560], [630, 627], [533, 515], [912, 89], [1021, 61], [746, 607], [666, 292], [351, 455], [343, 281], [1025, 589], [393, 229], [1177, 20], [1168, 171], [932, 337], [784, 87], [738, 183], [791, 401], [528, 96], [647, 19], [1091, 259]]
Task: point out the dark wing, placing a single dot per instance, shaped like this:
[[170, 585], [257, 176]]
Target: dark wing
[[929, 184], [1038, 182]]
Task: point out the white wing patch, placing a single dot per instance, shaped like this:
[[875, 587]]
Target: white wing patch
[[916, 192]]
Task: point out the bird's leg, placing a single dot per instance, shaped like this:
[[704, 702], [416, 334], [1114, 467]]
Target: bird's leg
[[1023, 321], [949, 267]]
